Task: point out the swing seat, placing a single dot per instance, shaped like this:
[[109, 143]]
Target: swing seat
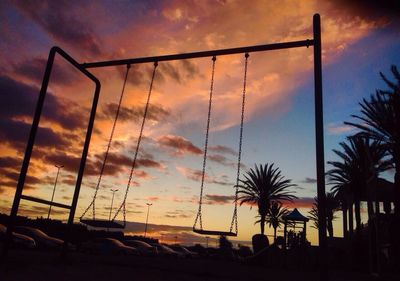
[[214, 232], [102, 223]]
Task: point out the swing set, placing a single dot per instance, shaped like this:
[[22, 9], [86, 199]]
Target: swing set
[[198, 224]]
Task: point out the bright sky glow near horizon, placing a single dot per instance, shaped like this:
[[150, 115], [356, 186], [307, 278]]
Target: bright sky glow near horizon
[[358, 42]]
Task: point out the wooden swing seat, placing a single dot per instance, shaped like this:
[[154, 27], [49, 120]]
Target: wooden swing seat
[[102, 223], [214, 232]]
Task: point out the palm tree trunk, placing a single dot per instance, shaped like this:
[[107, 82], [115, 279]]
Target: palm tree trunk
[[357, 211], [396, 200], [351, 220], [329, 225], [344, 212], [262, 224], [274, 234]]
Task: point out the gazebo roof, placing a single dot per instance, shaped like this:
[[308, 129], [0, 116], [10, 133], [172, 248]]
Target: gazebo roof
[[295, 215]]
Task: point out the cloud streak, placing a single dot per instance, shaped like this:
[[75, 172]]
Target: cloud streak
[[59, 21], [179, 145], [196, 175]]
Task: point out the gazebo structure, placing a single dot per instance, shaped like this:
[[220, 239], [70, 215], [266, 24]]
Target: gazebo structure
[[292, 219]]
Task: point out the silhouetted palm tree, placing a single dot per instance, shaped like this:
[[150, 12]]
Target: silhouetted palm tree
[[380, 120], [263, 185], [275, 214], [361, 160], [332, 205]]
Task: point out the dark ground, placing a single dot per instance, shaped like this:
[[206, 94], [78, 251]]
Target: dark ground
[[48, 266]]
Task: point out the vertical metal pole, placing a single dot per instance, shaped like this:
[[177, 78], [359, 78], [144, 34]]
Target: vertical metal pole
[[147, 218], [319, 139], [28, 151], [82, 164], [54, 188]]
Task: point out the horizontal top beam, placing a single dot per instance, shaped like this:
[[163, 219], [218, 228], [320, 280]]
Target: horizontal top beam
[[220, 52], [46, 202]]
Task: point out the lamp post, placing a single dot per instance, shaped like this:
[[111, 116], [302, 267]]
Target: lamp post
[[112, 201], [54, 188], [147, 218]]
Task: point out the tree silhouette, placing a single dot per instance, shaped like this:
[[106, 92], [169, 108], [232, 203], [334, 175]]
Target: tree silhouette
[[275, 214], [263, 185], [332, 205], [380, 120], [361, 161]]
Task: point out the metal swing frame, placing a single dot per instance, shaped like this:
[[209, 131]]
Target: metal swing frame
[[319, 129]]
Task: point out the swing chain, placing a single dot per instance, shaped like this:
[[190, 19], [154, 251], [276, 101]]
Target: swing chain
[[198, 217], [123, 205], [93, 203], [234, 218]]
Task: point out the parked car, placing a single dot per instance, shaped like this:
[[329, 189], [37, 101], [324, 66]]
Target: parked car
[[184, 251], [42, 240], [19, 240], [108, 246], [144, 248], [166, 251]]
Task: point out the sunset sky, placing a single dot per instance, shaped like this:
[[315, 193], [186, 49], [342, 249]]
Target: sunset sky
[[358, 42]]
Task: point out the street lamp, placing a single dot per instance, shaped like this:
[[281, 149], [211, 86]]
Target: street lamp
[[54, 188], [112, 201], [147, 218]]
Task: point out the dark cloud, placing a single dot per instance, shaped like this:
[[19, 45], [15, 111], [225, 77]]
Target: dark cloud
[[9, 179], [16, 99], [370, 9], [180, 145], [136, 75], [17, 102], [119, 160], [169, 70], [191, 69], [33, 69], [219, 199], [190, 173], [115, 159], [148, 163], [16, 133], [178, 72], [58, 19], [71, 164], [223, 149], [309, 180], [68, 179], [181, 214], [222, 160], [135, 113], [7, 183], [141, 174], [10, 162], [39, 211], [196, 175]]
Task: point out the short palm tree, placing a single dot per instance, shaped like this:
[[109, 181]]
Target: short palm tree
[[380, 120], [332, 205], [262, 186], [275, 216]]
